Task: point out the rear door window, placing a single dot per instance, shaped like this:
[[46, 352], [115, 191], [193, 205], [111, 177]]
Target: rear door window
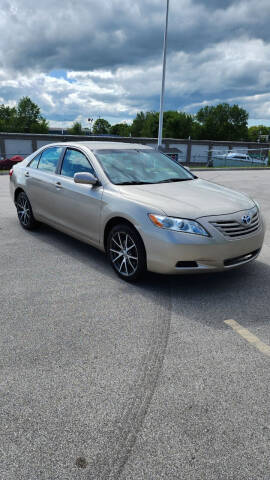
[[49, 159]]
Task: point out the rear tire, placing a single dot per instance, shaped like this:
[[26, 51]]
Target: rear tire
[[126, 252], [24, 211]]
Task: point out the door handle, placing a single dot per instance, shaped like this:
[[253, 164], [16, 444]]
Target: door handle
[[58, 185], [26, 174]]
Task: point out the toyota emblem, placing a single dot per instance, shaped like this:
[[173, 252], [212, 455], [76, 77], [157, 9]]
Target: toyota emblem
[[246, 219]]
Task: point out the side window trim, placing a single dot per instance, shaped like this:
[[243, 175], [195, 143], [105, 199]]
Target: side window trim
[[77, 150], [60, 161], [60, 164]]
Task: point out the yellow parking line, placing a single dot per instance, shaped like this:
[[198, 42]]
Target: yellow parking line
[[247, 335]]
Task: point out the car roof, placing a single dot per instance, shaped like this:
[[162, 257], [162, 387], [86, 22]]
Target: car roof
[[104, 145], [111, 145]]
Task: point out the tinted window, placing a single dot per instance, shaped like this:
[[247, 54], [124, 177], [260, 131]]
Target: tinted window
[[34, 162], [74, 162], [49, 159]]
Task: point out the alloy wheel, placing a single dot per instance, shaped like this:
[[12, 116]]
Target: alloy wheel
[[124, 253], [24, 212]]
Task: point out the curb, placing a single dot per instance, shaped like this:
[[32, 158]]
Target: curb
[[228, 169], [4, 173]]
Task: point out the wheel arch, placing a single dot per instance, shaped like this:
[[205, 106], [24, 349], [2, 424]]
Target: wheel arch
[[116, 221], [16, 193]]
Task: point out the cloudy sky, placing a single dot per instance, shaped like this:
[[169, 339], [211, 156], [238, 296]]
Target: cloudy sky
[[102, 58]]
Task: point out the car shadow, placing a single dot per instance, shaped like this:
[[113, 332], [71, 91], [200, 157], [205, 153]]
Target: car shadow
[[241, 294]]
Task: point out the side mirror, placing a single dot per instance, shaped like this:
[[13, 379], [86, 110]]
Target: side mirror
[[85, 178]]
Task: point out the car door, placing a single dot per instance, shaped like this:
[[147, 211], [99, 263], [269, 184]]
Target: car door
[[78, 206], [41, 181]]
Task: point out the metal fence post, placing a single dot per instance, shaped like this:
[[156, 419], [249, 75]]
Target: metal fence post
[[189, 147], [3, 148], [210, 152]]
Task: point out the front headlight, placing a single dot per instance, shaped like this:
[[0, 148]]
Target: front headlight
[[178, 224]]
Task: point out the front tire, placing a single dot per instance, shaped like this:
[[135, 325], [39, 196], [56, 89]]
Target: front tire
[[24, 211], [126, 252]]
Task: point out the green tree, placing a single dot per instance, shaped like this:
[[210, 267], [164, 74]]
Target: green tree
[[257, 130], [8, 119], [223, 122], [25, 117], [150, 128], [76, 129], [29, 118], [101, 127], [41, 127], [177, 124], [138, 124], [196, 131], [121, 129], [145, 125]]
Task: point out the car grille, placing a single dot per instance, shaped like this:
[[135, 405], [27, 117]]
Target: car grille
[[233, 229]]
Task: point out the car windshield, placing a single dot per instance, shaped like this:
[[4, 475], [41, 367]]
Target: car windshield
[[134, 167]]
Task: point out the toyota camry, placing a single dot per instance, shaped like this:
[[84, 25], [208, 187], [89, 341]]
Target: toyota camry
[[145, 210]]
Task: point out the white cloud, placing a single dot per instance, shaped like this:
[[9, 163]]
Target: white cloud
[[219, 50]]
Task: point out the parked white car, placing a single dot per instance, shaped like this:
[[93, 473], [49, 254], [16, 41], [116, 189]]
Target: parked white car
[[242, 157]]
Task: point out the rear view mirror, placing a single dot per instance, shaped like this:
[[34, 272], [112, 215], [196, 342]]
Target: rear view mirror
[[85, 178]]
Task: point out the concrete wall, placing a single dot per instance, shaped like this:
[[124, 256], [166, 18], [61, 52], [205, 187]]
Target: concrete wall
[[19, 146], [191, 152]]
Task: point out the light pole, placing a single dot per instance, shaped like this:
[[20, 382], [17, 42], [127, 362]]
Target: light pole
[[90, 120], [160, 126]]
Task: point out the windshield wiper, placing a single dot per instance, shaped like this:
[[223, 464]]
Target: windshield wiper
[[133, 182], [168, 180]]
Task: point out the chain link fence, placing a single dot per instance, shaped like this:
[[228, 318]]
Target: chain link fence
[[237, 158], [209, 158]]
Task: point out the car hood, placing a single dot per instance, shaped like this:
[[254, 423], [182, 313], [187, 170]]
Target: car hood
[[191, 199]]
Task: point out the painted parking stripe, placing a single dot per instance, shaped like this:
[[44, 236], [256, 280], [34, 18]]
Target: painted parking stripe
[[247, 335]]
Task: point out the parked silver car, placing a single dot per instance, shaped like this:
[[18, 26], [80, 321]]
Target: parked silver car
[[139, 206]]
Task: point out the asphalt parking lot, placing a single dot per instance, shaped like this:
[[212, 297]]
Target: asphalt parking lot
[[105, 380]]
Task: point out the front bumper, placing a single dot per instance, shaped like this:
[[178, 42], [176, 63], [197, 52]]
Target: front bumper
[[172, 252]]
